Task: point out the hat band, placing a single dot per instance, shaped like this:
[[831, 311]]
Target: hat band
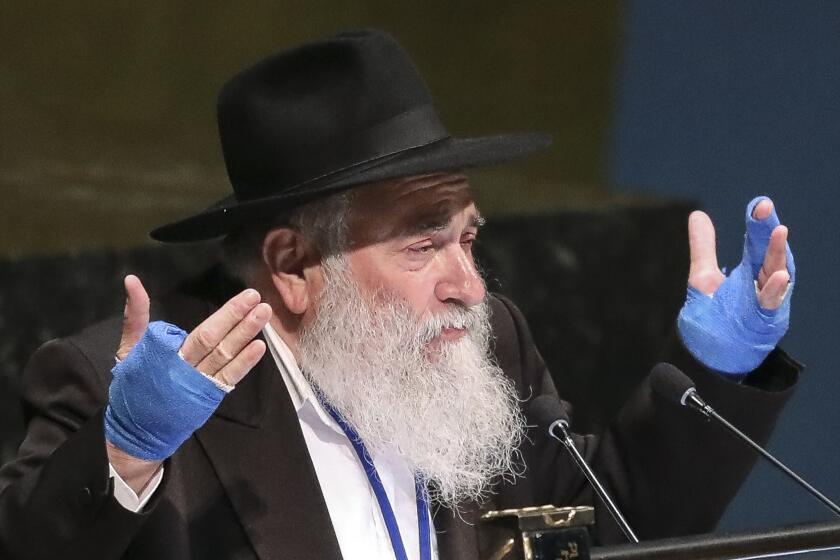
[[408, 130]]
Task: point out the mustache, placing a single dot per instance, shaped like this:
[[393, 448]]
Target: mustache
[[454, 317]]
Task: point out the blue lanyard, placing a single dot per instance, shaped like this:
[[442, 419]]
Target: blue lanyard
[[382, 497]]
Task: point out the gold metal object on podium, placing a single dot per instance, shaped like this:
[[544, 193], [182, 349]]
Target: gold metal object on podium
[[537, 533]]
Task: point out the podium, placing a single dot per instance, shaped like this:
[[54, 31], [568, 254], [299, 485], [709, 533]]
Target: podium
[[563, 533], [801, 542]]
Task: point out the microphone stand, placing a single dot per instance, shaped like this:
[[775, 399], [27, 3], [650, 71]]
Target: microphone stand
[[566, 440], [694, 401]]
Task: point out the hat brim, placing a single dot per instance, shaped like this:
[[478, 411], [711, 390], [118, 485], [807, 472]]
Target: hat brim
[[230, 214]]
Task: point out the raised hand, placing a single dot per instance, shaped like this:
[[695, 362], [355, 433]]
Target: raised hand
[[767, 241], [732, 323], [222, 347], [168, 383]]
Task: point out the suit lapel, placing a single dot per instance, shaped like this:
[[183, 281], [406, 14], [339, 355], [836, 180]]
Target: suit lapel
[[256, 447], [457, 533]]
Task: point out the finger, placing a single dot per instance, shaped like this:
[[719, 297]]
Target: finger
[[135, 315], [773, 293], [761, 221], [763, 209], [776, 258], [204, 338], [239, 367], [237, 339], [704, 274]]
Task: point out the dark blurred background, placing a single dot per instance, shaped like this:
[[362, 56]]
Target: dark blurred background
[[107, 128]]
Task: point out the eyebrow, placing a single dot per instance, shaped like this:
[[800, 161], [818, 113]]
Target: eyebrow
[[437, 222]]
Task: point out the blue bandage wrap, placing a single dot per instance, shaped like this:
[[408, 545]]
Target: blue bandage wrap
[[729, 331], [156, 399]]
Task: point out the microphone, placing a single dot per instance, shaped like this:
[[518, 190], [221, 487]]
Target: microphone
[[550, 415], [674, 385]]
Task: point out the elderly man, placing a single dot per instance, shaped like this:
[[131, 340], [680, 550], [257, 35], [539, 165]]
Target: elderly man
[[364, 396]]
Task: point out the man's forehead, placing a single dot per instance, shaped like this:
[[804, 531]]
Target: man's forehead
[[406, 186], [402, 188], [411, 203]]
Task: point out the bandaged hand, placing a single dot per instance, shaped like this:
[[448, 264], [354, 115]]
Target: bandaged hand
[[167, 383], [731, 324]]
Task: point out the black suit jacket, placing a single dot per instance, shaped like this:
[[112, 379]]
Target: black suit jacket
[[244, 486]]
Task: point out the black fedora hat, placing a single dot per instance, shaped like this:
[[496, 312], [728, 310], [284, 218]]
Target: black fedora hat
[[327, 116]]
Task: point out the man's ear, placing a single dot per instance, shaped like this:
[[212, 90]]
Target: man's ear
[[287, 254]]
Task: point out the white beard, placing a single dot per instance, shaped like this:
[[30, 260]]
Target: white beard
[[449, 411]]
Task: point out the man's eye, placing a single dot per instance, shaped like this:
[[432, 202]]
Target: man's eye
[[422, 249]]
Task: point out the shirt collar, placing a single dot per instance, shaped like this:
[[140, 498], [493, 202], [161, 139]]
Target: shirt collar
[[300, 390]]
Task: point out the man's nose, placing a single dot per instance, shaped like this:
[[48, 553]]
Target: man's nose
[[460, 280]]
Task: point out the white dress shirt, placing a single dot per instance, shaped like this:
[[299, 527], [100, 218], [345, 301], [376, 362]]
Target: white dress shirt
[[356, 517]]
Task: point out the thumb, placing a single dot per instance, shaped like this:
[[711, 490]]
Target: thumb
[[135, 315], [703, 274]]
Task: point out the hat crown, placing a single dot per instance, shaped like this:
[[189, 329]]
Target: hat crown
[[319, 108], [325, 117]]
